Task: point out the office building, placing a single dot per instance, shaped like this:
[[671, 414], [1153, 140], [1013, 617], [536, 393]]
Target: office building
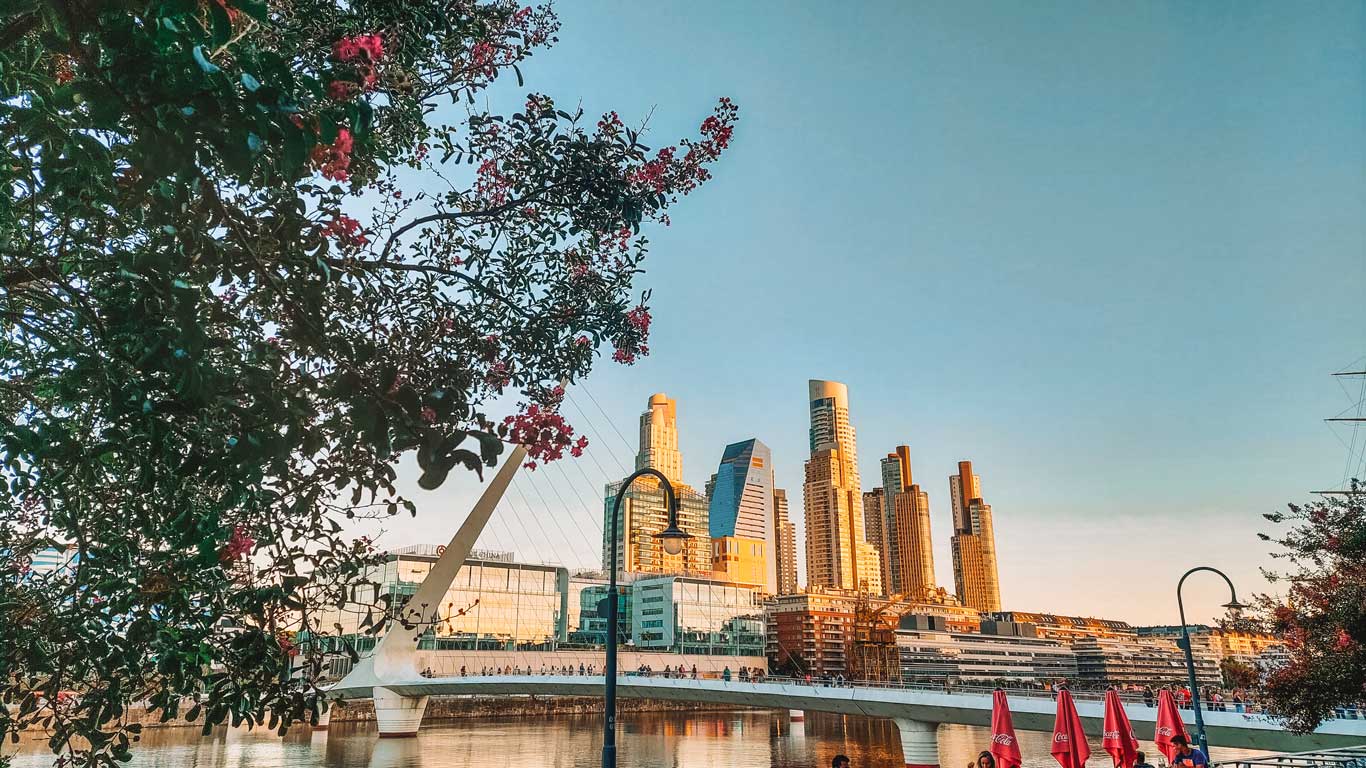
[[659, 438], [974, 543], [697, 616], [644, 507], [645, 512], [1140, 661], [906, 528], [837, 554], [495, 603], [808, 632], [787, 544], [874, 534], [998, 653], [1242, 647], [1067, 628], [741, 516]]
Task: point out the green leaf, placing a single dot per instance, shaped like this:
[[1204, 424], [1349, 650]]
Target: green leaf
[[222, 25], [203, 61]]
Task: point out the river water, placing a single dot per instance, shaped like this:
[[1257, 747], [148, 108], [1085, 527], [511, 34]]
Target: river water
[[755, 739]]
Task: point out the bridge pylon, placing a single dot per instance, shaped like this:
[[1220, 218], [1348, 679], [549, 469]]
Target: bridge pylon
[[395, 655]]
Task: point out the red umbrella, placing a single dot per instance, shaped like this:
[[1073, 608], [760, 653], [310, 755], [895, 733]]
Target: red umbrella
[[1169, 724], [1118, 737], [1004, 746], [1069, 740]]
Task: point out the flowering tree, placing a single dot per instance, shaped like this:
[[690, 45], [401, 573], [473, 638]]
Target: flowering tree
[[1323, 615], [210, 356]]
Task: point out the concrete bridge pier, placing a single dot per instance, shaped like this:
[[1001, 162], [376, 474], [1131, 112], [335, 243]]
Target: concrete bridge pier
[[398, 716], [324, 716], [919, 743]]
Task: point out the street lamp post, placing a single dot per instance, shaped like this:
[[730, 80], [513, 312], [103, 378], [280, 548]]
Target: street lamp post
[[671, 540], [1233, 605]]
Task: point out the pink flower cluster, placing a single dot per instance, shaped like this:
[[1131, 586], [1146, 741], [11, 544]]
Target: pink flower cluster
[[350, 49], [544, 433], [631, 345], [499, 375], [335, 159], [360, 54], [239, 545], [346, 231], [490, 185], [667, 172]]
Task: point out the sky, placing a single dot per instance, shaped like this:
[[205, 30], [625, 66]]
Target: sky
[[1109, 252]]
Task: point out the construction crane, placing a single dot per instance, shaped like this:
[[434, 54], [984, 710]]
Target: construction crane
[[870, 651]]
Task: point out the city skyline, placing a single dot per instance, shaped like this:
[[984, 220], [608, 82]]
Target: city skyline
[[1151, 341]]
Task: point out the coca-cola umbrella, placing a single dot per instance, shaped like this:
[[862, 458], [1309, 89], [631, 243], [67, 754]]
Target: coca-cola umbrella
[[1169, 724], [1118, 737], [1004, 746], [1069, 740]]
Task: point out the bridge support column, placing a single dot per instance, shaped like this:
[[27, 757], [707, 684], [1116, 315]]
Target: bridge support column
[[398, 715], [919, 743], [324, 717], [796, 715]]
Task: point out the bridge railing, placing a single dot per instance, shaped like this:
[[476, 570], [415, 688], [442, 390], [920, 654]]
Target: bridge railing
[[1129, 697]]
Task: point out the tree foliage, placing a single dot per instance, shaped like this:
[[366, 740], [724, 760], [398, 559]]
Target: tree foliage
[[244, 267], [1322, 616]]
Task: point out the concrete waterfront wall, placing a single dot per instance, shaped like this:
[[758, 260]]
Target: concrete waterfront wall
[[462, 707]]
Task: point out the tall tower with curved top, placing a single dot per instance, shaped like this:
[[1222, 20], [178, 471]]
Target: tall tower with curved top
[[837, 555]]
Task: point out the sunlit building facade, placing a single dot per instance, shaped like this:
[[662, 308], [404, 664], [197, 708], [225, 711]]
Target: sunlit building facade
[[659, 438], [837, 553], [906, 528], [494, 603], [697, 616], [787, 544], [645, 512], [741, 515], [973, 544], [644, 508], [931, 654]]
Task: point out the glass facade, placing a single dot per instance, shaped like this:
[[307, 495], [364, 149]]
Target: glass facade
[[493, 604], [697, 616]]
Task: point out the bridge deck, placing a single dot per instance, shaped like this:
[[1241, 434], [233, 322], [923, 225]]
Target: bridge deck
[[1227, 729]]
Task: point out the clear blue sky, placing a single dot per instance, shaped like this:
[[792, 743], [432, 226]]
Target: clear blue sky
[[1110, 252]]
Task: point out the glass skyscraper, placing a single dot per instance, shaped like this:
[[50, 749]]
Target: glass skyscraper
[[741, 505]]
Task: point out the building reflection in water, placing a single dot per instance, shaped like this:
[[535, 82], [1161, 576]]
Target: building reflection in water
[[753, 739]]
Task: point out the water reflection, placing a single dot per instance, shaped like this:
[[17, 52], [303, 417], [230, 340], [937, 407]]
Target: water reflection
[[647, 740]]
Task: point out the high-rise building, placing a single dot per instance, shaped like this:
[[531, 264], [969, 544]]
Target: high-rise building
[[645, 512], [906, 527], [644, 508], [915, 554], [837, 553], [659, 438], [974, 543], [741, 512], [787, 544], [874, 532]]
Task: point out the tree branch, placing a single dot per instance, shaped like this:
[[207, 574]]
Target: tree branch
[[380, 263]]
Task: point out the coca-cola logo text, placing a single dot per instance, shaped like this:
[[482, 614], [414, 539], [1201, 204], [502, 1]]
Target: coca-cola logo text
[[1004, 739]]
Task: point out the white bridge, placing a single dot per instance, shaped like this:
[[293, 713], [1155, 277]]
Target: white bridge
[[389, 676]]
